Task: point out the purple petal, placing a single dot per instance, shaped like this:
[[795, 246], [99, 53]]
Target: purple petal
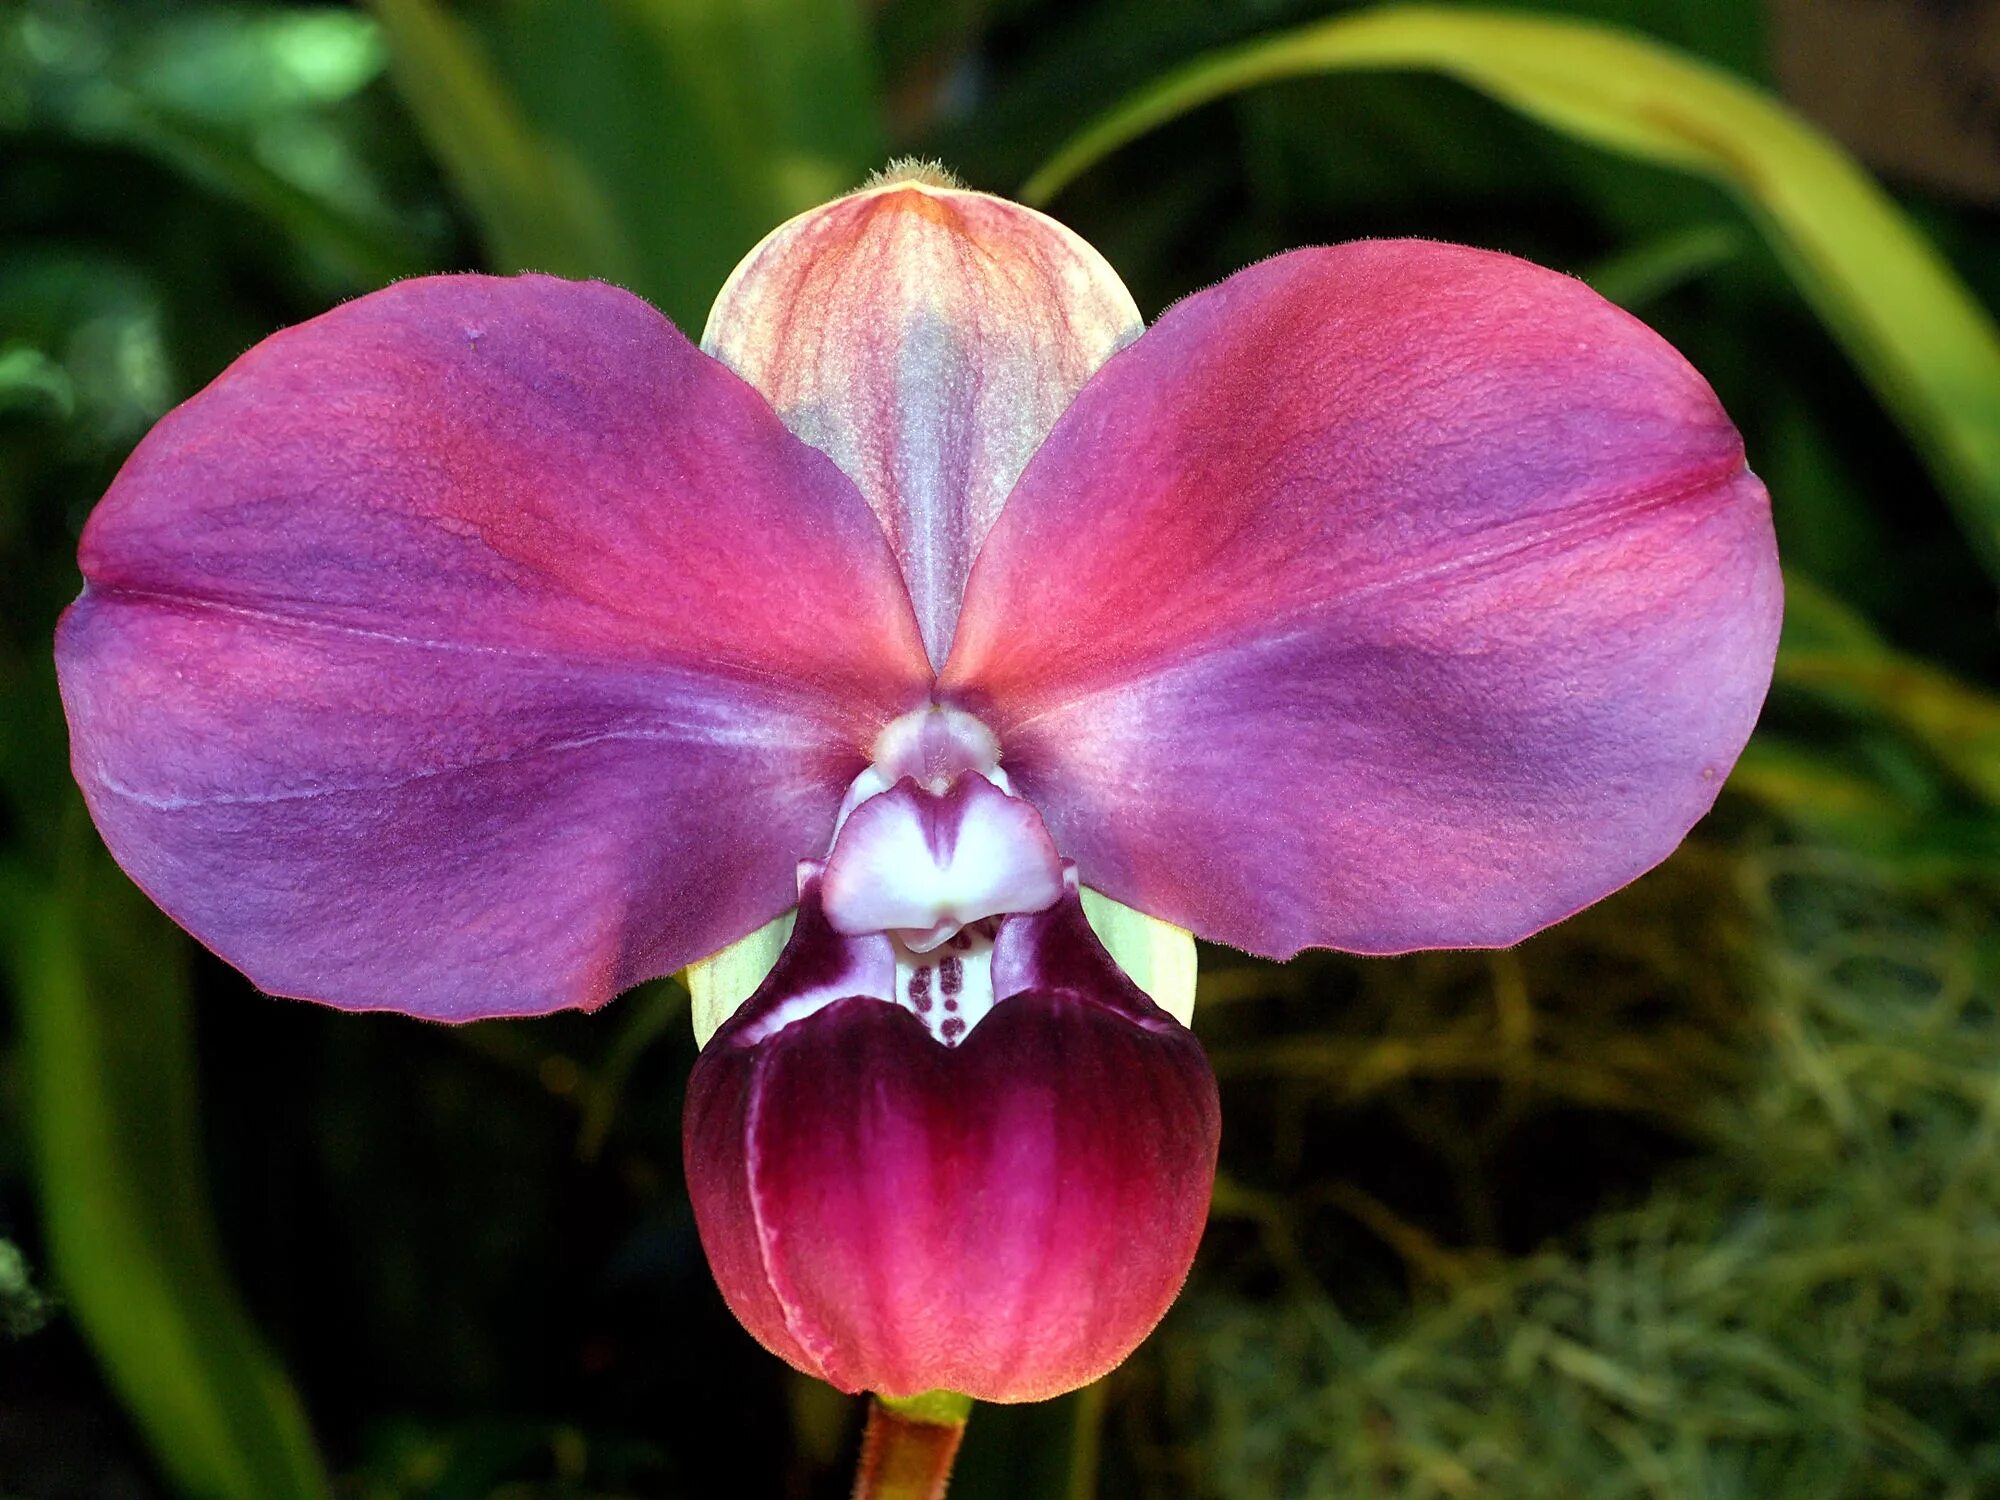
[[1390, 596], [1005, 1218], [478, 648], [927, 339]]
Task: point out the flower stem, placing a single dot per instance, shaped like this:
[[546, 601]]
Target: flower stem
[[907, 1450]]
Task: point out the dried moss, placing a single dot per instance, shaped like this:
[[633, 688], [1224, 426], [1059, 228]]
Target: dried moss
[[1807, 1304]]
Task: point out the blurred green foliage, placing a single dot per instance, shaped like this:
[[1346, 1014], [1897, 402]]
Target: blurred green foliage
[[1691, 1197], [112, 1111], [647, 142]]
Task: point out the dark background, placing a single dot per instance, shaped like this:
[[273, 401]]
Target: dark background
[[1695, 1197]]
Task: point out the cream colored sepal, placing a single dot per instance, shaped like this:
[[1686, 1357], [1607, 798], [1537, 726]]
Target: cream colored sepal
[[1157, 955], [723, 981]]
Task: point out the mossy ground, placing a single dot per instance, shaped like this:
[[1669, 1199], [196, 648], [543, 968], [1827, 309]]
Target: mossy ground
[[1764, 1086]]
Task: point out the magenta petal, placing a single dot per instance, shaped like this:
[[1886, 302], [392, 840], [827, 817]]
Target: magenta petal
[[1006, 1218], [478, 648], [1389, 596]]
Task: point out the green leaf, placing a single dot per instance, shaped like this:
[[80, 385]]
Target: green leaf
[[101, 992], [538, 209], [1917, 335], [24, 1309], [1649, 271], [1832, 652], [1857, 812], [258, 108], [364, 251], [690, 127]]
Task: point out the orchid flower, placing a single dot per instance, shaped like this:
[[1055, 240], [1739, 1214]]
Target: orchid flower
[[921, 659]]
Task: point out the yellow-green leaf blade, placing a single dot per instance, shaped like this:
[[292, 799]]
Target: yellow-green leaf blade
[[100, 988], [1910, 325], [538, 210]]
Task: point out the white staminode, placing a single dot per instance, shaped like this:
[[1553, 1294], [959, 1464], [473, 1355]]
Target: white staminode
[[932, 849], [921, 866], [936, 867]]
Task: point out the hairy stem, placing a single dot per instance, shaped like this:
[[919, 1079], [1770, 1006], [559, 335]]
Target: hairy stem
[[907, 1451]]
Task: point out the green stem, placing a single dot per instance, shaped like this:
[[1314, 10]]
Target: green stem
[[1086, 1442], [907, 1451]]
